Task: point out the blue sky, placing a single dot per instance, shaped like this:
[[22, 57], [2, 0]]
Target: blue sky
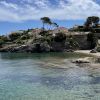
[[24, 14]]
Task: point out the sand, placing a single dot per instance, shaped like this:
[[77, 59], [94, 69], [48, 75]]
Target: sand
[[88, 52]]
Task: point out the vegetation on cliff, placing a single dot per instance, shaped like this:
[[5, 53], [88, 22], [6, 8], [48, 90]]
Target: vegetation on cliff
[[58, 39]]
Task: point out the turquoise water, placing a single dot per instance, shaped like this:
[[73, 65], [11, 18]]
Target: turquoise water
[[47, 77]]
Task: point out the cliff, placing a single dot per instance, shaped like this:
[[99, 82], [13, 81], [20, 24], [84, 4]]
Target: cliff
[[39, 40]]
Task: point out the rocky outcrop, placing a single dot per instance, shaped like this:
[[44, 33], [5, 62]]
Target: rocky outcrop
[[37, 40], [84, 60], [21, 48], [42, 47], [93, 51], [81, 39]]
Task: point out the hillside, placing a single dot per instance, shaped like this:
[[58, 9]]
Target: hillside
[[39, 40]]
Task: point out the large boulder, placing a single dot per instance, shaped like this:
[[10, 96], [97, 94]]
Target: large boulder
[[41, 47], [21, 48], [93, 51], [45, 47], [8, 48]]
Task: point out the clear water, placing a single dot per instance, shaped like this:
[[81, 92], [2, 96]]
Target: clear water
[[47, 77]]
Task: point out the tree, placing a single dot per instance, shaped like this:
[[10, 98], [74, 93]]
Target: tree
[[55, 24], [3, 40], [46, 20], [50, 23], [14, 36], [91, 22]]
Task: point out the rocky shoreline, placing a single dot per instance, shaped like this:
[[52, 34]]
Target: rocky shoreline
[[97, 54], [57, 39], [37, 40]]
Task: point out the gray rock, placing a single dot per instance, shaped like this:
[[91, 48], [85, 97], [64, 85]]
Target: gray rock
[[84, 60], [45, 47], [97, 60], [93, 51], [41, 47]]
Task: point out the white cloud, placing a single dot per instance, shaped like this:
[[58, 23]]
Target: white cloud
[[34, 9], [8, 5]]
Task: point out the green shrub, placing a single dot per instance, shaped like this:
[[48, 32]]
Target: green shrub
[[14, 36], [60, 37], [19, 41], [25, 37], [1, 42], [4, 38], [43, 33], [39, 40], [49, 39]]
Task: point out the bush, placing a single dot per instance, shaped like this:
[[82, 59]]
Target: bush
[[14, 36], [1, 42], [25, 37], [43, 33], [60, 37], [49, 39], [19, 41], [4, 38]]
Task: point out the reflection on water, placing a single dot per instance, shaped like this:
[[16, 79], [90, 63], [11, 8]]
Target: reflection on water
[[32, 77], [39, 56]]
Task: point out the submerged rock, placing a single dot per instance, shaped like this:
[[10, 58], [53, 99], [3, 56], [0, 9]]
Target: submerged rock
[[84, 60], [93, 51]]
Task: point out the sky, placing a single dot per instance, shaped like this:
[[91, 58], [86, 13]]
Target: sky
[[26, 14]]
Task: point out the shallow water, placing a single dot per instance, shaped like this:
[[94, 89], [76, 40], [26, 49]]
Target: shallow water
[[47, 77]]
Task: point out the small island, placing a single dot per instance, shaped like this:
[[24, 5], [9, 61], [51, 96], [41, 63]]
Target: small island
[[58, 39]]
